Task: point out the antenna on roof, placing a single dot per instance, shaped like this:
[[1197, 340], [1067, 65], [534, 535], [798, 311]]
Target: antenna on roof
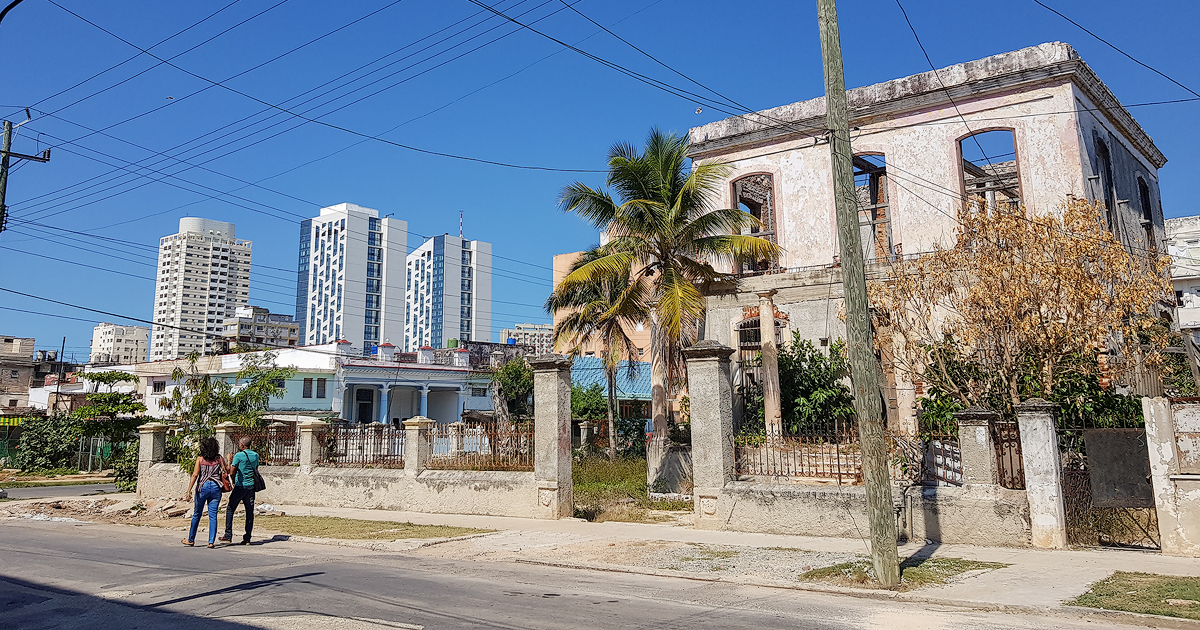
[[460, 224]]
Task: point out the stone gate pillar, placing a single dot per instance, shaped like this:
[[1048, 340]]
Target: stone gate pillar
[[975, 446], [711, 393], [1043, 474], [312, 452], [418, 444], [552, 435]]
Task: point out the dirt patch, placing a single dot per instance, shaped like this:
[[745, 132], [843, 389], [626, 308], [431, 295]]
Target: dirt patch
[[914, 572]]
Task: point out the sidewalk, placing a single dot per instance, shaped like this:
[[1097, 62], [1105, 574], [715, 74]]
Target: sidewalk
[[1035, 578]]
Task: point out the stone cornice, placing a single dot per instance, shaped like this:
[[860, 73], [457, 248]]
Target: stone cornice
[[1046, 64]]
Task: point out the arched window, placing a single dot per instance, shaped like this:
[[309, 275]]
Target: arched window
[[874, 211], [990, 173], [755, 195]]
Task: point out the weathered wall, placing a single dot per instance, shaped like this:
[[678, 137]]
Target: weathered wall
[[968, 515], [1172, 436], [494, 493]]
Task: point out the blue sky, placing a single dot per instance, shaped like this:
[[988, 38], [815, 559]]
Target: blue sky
[[521, 99]]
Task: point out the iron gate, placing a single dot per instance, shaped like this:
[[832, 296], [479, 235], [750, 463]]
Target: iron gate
[[1106, 485]]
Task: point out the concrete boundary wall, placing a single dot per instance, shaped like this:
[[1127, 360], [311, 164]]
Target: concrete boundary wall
[[491, 493], [544, 492], [977, 513]]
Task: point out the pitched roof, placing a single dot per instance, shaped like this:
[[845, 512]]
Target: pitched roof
[[588, 370]]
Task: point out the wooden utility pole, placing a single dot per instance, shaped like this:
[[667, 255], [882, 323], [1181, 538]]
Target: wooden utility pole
[[6, 154], [861, 346]]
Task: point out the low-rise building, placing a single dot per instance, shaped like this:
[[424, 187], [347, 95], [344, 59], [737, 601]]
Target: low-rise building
[[16, 374], [252, 327], [113, 343], [1183, 245], [540, 336]]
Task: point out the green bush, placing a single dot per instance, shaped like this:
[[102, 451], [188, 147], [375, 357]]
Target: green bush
[[125, 467], [48, 443]]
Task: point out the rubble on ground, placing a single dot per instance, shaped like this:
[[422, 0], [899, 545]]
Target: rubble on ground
[[160, 512]]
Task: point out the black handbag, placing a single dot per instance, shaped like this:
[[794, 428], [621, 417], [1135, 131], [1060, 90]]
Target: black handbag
[[260, 484]]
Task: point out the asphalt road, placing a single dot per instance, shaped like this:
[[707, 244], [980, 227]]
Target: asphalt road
[[48, 492], [72, 575]]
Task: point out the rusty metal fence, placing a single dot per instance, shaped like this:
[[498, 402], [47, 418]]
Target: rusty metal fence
[[364, 446], [834, 455], [276, 445], [485, 446]]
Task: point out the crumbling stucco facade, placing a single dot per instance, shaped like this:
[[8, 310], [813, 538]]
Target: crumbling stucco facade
[[1069, 136]]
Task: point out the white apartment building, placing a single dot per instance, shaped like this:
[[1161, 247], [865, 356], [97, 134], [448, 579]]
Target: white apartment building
[[449, 283], [203, 276], [1183, 246], [113, 343], [540, 336], [350, 281]]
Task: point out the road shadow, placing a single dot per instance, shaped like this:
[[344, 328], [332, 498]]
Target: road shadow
[[30, 605]]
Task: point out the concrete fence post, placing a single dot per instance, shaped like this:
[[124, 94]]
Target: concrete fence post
[[152, 448], [975, 446], [225, 438], [457, 441], [552, 435], [711, 392], [418, 444], [585, 434], [312, 451], [1170, 428], [1043, 474]]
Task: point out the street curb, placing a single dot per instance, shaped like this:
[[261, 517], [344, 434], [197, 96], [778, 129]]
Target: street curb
[[396, 545], [1075, 612]]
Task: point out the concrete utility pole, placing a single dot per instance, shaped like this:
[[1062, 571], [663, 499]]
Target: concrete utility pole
[[861, 347]]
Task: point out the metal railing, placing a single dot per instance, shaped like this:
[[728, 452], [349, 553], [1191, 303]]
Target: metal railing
[[837, 456], [488, 446], [276, 445], [366, 446]]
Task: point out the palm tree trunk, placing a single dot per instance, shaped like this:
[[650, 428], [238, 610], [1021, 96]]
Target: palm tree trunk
[[611, 373], [656, 448]]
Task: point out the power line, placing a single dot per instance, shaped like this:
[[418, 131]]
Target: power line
[[327, 124], [1116, 48]]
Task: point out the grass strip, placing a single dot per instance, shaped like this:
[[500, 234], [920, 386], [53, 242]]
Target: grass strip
[[353, 529], [1146, 593], [914, 572]]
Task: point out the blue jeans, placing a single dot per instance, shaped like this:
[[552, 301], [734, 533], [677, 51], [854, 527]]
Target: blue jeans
[[208, 495]]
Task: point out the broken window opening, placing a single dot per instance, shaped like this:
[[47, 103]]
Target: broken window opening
[[990, 174], [1147, 216], [874, 212], [754, 195], [1104, 159]]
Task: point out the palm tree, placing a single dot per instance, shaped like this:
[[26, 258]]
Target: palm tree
[[666, 232], [600, 311]]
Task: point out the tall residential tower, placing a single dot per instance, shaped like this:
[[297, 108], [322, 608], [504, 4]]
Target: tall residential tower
[[350, 279], [449, 292], [203, 275]]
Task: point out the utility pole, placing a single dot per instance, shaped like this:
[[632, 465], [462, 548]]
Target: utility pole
[[5, 155], [861, 346]]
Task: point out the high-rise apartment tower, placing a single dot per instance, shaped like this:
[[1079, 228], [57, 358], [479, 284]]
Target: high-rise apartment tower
[[449, 292], [350, 278], [203, 275], [114, 343]]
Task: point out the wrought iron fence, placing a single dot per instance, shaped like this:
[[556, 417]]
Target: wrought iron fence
[[485, 446], [276, 445], [942, 465], [364, 446], [1006, 441], [834, 454]]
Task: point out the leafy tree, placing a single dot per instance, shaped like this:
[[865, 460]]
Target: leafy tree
[[113, 415], [665, 235], [201, 401], [812, 389], [48, 442], [1022, 306], [599, 312], [515, 380], [587, 403]]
